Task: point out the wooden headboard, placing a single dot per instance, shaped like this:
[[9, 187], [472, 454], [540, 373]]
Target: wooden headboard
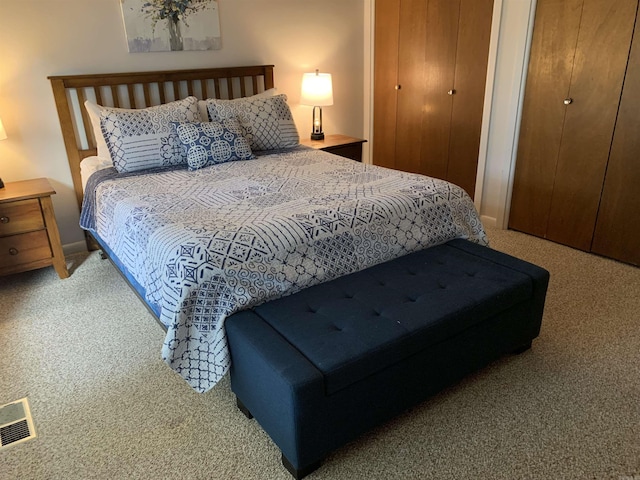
[[140, 90]]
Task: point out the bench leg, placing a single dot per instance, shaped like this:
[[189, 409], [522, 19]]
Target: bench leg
[[522, 348], [243, 409], [300, 473]]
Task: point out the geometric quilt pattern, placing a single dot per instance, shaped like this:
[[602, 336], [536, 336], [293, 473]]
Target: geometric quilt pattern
[[205, 244]]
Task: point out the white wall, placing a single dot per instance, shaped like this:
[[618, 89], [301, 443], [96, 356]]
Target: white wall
[[56, 37]]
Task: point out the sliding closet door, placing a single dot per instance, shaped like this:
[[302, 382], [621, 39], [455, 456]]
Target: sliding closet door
[[578, 62], [472, 53], [555, 35], [617, 232], [439, 59], [385, 80], [599, 68]]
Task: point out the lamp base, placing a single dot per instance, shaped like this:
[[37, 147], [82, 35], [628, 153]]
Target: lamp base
[[317, 136]]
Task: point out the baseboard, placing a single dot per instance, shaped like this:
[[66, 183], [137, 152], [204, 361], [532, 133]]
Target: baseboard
[[489, 221], [76, 247]]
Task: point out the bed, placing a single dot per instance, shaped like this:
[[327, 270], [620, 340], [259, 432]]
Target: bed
[[201, 239]]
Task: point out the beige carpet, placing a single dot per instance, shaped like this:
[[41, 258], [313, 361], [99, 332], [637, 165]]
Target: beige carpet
[[86, 353]]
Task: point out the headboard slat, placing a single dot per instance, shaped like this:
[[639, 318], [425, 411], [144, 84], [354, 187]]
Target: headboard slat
[[230, 88], [203, 88], [86, 123], [243, 88], [98, 92], [176, 90], [147, 94], [117, 83], [132, 96], [161, 87], [115, 96]]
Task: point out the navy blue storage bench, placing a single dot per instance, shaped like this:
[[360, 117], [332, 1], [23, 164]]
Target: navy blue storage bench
[[322, 366]]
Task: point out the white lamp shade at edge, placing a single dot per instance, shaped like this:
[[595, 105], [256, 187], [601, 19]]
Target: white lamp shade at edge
[[317, 89]]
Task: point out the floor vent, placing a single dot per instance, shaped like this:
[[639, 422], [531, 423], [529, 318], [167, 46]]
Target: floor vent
[[16, 425]]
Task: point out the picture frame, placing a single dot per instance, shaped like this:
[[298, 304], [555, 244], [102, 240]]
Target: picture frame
[[171, 25]]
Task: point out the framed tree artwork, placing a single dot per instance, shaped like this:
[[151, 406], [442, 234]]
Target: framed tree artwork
[[171, 25]]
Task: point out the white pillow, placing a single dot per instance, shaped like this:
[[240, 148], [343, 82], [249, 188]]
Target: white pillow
[[90, 165], [202, 104], [267, 121], [144, 138], [94, 116]]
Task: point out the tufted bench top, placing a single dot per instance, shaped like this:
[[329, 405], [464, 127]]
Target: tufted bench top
[[356, 325]]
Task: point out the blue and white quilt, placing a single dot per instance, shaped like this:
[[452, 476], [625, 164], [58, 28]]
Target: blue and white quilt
[[211, 242]]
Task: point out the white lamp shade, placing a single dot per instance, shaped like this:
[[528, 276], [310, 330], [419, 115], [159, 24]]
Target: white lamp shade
[[3, 134], [317, 89]]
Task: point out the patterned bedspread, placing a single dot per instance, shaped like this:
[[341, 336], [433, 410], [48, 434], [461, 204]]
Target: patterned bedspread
[[208, 243]]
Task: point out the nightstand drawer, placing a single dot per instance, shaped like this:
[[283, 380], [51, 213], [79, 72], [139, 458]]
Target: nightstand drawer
[[22, 216], [24, 248]]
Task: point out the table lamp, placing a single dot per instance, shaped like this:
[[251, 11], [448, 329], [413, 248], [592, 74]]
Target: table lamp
[[3, 136], [316, 91]]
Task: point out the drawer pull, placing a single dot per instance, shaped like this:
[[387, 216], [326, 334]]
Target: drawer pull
[[13, 251], [4, 219]]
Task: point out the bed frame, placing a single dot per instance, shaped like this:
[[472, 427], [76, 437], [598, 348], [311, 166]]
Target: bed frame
[[141, 90]]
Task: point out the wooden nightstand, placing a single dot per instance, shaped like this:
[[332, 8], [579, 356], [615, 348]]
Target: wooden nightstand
[[29, 236], [342, 145]]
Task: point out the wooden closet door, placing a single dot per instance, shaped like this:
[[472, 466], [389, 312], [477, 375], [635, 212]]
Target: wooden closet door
[[555, 35], [472, 53], [412, 73], [617, 232], [434, 47], [385, 79], [601, 57], [440, 43]]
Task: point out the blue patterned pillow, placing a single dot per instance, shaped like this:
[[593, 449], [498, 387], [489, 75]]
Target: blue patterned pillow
[[144, 138], [267, 121], [209, 143]]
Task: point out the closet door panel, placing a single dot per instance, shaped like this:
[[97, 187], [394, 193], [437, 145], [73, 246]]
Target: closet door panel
[[555, 34], [474, 32], [617, 233], [411, 77], [387, 24], [440, 57], [599, 68]]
